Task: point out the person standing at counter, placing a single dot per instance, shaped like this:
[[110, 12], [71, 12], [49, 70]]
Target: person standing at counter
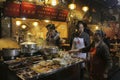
[[52, 36], [81, 30], [100, 61], [79, 40]]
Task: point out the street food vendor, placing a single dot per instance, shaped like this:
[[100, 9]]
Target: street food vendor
[[100, 61], [52, 36]]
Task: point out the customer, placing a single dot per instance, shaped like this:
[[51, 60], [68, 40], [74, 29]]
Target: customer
[[100, 60], [85, 41], [52, 36]]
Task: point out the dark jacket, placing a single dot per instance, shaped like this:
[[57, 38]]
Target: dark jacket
[[100, 61]]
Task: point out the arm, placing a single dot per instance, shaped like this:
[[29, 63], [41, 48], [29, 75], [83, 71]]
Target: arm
[[86, 49], [56, 36], [107, 58]]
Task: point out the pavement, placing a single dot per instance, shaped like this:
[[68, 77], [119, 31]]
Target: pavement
[[114, 74]]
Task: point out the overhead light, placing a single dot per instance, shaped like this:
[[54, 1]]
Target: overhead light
[[35, 23], [72, 6], [30, 0], [85, 8], [23, 26], [24, 18], [96, 27], [18, 23], [47, 21], [54, 3]]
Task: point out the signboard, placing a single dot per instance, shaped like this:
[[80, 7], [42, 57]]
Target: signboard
[[51, 13], [46, 13], [29, 10], [11, 10]]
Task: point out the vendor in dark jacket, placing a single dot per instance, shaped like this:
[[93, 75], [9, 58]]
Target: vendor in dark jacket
[[100, 60]]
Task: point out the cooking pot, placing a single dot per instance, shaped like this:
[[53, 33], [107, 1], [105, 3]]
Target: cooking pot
[[10, 52], [29, 47]]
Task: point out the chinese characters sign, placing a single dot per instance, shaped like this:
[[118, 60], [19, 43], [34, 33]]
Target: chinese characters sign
[[34, 11]]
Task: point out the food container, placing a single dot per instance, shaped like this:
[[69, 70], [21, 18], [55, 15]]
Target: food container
[[29, 48], [10, 52]]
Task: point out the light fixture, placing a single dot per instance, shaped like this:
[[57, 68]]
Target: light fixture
[[30, 0], [85, 8], [18, 23], [72, 6], [96, 27], [47, 21], [53, 2], [46, 1], [35, 23], [23, 26], [23, 18]]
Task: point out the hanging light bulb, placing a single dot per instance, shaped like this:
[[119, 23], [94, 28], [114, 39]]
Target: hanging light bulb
[[18, 23], [47, 21], [72, 6], [35, 23], [85, 8], [54, 3], [23, 26]]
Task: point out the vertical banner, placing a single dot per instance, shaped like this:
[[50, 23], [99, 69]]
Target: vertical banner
[[11, 9], [28, 10]]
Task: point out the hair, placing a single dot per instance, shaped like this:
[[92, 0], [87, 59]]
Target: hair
[[100, 33], [76, 34], [79, 22], [51, 26], [86, 29]]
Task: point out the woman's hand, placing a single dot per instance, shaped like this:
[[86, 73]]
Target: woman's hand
[[74, 51]]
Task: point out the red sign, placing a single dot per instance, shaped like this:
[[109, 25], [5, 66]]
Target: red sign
[[28, 10], [46, 12], [62, 15], [51, 13], [12, 9]]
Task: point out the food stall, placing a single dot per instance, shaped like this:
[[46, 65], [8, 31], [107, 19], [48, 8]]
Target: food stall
[[31, 62], [62, 67]]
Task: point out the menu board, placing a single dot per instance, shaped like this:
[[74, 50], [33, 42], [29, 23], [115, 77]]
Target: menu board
[[11, 9], [46, 13], [29, 10], [62, 15]]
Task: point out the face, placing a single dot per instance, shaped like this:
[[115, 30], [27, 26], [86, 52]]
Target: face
[[97, 37], [80, 27]]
